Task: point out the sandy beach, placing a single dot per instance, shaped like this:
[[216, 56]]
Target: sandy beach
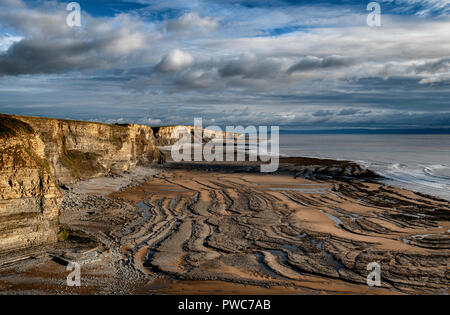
[[196, 228]]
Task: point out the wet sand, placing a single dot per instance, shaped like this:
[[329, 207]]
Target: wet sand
[[311, 228]]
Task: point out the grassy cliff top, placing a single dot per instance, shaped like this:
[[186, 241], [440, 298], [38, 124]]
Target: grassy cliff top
[[11, 127], [63, 120]]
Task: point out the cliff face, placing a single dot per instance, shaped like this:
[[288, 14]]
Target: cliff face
[[39, 154], [79, 150], [29, 198]]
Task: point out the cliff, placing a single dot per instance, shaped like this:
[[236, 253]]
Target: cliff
[[78, 150], [29, 198], [38, 154]]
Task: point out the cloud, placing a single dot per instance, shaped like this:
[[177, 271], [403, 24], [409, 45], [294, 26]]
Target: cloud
[[435, 78], [7, 41], [151, 121], [251, 66], [322, 113], [348, 112], [49, 45], [192, 22], [311, 63], [174, 61], [433, 71], [199, 79], [284, 62], [12, 3], [33, 56], [434, 66], [422, 7]]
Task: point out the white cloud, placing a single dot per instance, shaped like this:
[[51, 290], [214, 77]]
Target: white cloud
[[7, 41], [175, 61], [126, 42]]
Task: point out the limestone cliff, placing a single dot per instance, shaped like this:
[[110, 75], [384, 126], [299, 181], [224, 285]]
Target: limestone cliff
[[29, 198], [38, 154], [79, 150]]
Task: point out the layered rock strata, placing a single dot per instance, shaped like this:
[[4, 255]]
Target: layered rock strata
[[38, 154]]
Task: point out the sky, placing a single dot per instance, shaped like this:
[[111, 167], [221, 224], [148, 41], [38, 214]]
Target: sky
[[301, 65]]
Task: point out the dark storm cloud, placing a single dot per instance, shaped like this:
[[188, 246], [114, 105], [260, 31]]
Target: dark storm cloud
[[322, 113], [348, 112], [311, 63], [34, 56], [251, 67], [195, 80], [51, 46]]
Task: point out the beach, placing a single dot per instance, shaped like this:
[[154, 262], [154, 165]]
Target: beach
[[225, 228]]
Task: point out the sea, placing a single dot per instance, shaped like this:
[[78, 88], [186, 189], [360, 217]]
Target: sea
[[412, 161]]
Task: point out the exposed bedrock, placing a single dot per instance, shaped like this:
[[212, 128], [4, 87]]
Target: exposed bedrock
[[274, 229]]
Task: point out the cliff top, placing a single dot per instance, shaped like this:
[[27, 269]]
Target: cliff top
[[17, 117], [11, 127]]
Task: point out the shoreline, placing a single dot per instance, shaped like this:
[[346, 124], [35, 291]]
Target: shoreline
[[387, 179], [417, 163]]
